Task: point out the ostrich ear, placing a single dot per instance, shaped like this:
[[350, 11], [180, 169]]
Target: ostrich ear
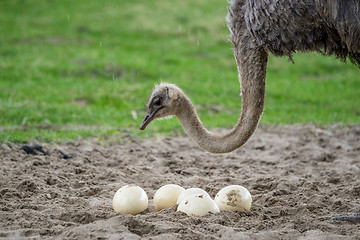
[[173, 94]]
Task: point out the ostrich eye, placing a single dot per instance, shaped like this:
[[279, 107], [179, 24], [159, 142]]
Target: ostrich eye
[[157, 101]]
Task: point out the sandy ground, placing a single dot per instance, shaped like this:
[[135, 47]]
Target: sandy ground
[[299, 176]]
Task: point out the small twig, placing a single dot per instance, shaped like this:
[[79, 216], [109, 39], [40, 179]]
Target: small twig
[[352, 218]]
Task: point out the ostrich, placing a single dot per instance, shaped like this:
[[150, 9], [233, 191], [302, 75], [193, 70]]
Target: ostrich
[[280, 27]]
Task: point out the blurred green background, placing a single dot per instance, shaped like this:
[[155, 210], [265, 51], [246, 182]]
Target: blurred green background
[[72, 69]]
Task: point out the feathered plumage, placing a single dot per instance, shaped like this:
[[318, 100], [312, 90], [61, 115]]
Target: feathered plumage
[[282, 27]]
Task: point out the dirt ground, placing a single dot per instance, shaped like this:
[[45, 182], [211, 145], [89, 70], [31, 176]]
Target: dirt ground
[[299, 177]]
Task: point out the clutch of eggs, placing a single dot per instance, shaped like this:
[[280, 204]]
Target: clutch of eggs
[[132, 199]]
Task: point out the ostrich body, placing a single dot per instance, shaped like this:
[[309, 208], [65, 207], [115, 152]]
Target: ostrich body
[[280, 27]]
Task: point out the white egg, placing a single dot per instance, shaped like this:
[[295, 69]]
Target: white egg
[[166, 196], [198, 205], [234, 198], [189, 192], [130, 199]]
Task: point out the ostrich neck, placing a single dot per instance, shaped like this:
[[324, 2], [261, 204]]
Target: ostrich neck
[[252, 72]]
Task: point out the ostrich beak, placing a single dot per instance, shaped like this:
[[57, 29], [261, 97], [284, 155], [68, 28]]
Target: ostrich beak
[[148, 118]]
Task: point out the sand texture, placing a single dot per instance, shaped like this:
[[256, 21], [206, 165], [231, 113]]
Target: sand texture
[[299, 177]]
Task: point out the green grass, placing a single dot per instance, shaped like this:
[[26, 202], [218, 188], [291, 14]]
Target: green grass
[[91, 65]]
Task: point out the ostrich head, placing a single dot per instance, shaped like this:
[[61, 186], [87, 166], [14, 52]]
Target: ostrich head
[[163, 102]]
